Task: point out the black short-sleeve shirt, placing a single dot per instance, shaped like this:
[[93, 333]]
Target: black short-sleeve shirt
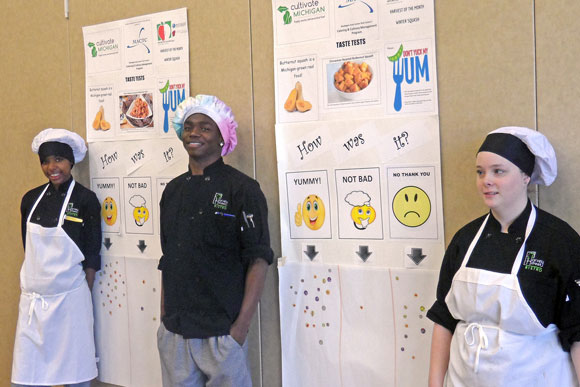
[[212, 227], [84, 206], [550, 284]]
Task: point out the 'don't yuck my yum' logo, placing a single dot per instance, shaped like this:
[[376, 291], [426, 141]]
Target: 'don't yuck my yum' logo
[[410, 66]]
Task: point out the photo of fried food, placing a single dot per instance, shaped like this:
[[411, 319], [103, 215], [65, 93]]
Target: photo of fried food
[[136, 111], [140, 109]]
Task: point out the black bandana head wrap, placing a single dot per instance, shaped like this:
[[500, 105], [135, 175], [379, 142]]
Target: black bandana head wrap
[[511, 148], [55, 148]]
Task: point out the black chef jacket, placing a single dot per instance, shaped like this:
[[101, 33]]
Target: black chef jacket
[[550, 284], [212, 227], [83, 202]]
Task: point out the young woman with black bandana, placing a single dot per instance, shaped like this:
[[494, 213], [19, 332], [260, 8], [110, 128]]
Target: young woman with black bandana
[[61, 233], [508, 301]]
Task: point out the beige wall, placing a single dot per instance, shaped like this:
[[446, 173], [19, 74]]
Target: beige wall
[[494, 57]]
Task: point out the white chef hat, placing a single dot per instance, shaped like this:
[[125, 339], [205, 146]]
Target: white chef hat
[[542, 167], [63, 136]]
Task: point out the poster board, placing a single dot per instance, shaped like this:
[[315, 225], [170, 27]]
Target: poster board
[[358, 150], [137, 72]]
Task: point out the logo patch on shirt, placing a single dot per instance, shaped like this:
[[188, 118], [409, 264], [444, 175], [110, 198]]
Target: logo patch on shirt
[[218, 202], [533, 263], [71, 211], [577, 282]]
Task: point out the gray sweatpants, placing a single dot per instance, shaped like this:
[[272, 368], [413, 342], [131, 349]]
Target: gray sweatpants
[[213, 362], [82, 384]]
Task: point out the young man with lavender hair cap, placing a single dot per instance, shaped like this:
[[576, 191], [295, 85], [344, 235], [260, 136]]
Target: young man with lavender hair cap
[[216, 251]]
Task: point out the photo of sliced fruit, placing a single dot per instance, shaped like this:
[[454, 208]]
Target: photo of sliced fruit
[[296, 101], [99, 123]]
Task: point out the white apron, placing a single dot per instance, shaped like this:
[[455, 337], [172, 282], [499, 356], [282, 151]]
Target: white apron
[[499, 341], [54, 336]]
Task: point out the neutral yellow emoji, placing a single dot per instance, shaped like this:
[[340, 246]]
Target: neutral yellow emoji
[[362, 216], [411, 206], [140, 214], [362, 213], [312, 211], [109, 211]]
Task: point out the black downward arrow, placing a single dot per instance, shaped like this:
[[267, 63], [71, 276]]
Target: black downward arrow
[[107, 243], [416, 255], [311, 251], [363, 253], [142, 246]]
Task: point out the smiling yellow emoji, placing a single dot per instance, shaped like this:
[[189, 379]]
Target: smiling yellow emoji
[[411, 206], [312, 211], [109, 211]]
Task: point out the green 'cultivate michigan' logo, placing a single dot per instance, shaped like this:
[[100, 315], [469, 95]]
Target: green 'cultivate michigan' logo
[[93, 49], [287, 17]]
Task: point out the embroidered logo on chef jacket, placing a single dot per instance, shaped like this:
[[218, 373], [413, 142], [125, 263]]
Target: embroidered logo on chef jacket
[[533, 263], [218, 202], [72, 213]]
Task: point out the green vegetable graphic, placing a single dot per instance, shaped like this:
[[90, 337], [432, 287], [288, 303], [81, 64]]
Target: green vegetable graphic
[[287, 16], [93, 49], [396, 57], [164, 88]]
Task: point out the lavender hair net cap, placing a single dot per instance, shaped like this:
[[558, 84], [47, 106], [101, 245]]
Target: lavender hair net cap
[[546, 165], [72, 139], [215, 109]]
